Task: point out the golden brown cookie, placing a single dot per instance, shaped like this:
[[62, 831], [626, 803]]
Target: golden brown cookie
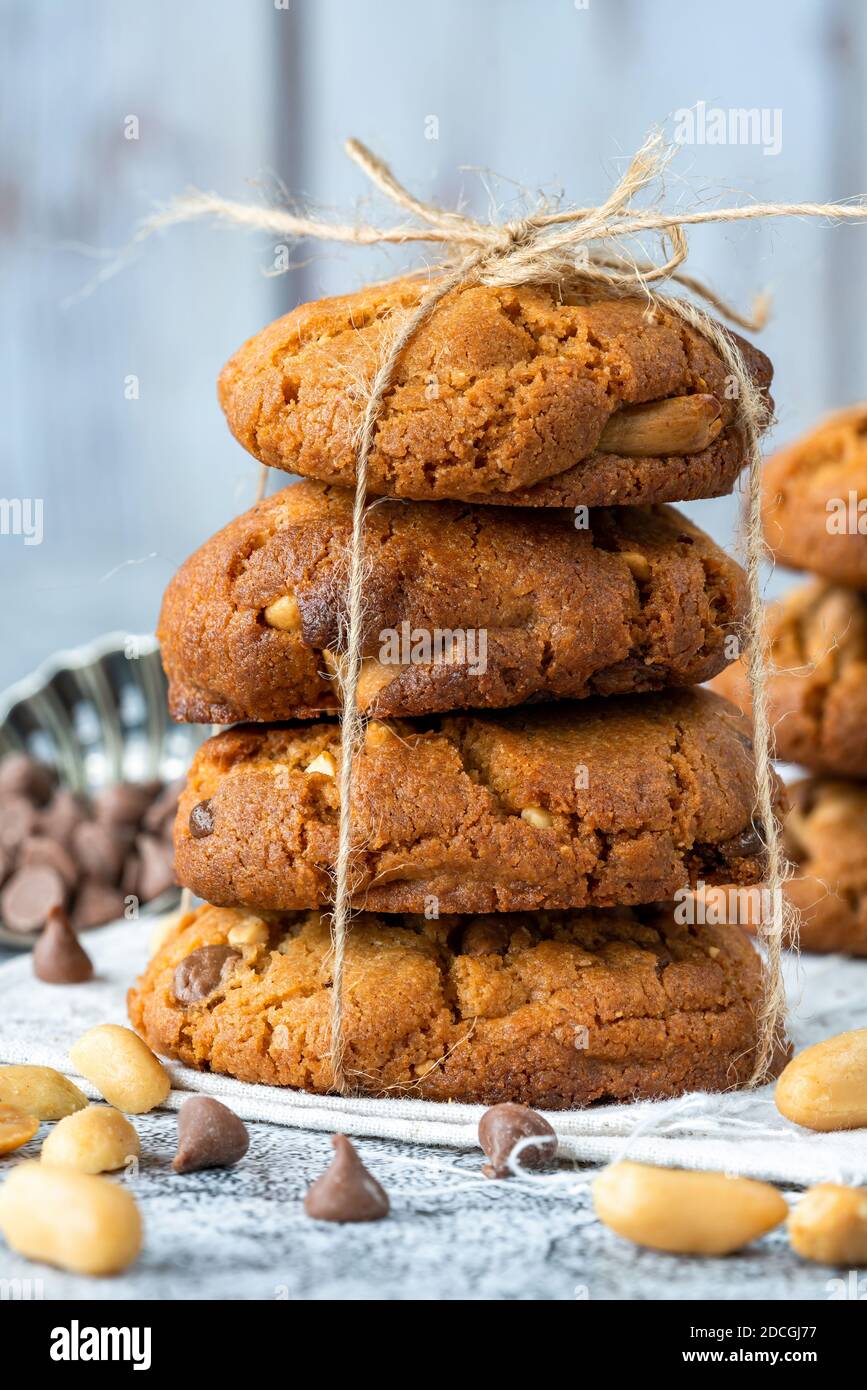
[[554, 1010], [592, 804], [817, 695], [521, 396], [815, 500], [465, 607], [826, 839]]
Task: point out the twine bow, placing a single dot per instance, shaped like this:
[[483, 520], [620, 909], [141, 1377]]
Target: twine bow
[[585, 250]]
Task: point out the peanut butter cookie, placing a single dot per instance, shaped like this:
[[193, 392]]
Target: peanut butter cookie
[[591, 804], [515, 396], [464, 607], [817, 694], [554, 1010], [815, 500], [826, 838]]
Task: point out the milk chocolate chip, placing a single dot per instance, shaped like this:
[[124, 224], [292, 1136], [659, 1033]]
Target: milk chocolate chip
[[201, 971], [99, 850], [29, 896], [18, 819], [95, 904], [156, 867], [744, 846], [201, 820], [210, 1135], [23, 775], [505, 1126], [58, 956], [346, 1191]]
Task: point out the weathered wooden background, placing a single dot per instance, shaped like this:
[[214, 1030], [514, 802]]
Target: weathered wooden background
[[230, 93]]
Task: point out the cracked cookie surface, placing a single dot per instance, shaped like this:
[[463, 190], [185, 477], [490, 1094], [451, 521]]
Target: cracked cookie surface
[[638, 600], [502, 396], [602, 802], [817, 691], [554, 1010], [828, 465]]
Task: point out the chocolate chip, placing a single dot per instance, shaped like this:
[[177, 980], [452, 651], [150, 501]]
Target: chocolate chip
[[42, 849], [95, 904], [156, 872], [100, 850], [160, 815], [503, 1127], [29, 896], [199, 973], [124, 803], [201, 820], [18, 819], [26, 777], [744, 846], [64, 812], [346, 1191], [210, 1135], [58, 956]]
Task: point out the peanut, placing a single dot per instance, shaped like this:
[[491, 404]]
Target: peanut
[[637, 564], [40, 1091], [685, 1213], [825, 1086], [250, 931], [122, 1068], [96, 1140], [537, 816], [283, 614], [323, 764], [74, 1220], [16, 1127], [678, 425], [829, 1225]]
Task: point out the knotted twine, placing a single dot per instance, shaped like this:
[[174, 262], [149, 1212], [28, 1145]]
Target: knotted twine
[[575, 249]]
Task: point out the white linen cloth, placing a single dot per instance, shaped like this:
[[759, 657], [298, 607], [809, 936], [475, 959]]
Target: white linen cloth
[[741, 1132]]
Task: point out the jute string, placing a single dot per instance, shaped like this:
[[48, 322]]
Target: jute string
[[579, 250]]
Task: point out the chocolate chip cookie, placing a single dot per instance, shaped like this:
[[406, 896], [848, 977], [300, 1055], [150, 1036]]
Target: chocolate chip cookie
[[817, 694], [826, 838], [465, 607], [815, 500], [596, 803], [520, 396], [555, 1010]]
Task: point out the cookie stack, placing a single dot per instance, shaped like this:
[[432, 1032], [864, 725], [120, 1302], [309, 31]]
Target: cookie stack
[[540, 777], [815, 518]]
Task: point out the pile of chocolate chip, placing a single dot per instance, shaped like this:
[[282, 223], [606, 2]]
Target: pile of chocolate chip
[[94, 858]]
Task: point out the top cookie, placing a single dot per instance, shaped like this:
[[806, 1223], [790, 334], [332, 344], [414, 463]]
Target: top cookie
[[815, 500], [512, 396], [465, 607]]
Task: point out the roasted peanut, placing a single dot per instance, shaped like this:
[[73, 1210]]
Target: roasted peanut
[[122, 1068], [829, 1225], [685, 1213], [250, 931], [40, 1091], [678, 425], [324, 764], [96, 1140], [825, 1086], [74, 1220], [283, 614], [637, 564], [16, 1127]]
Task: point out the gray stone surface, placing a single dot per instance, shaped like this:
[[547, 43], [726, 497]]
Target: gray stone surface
[[242, 1234]]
